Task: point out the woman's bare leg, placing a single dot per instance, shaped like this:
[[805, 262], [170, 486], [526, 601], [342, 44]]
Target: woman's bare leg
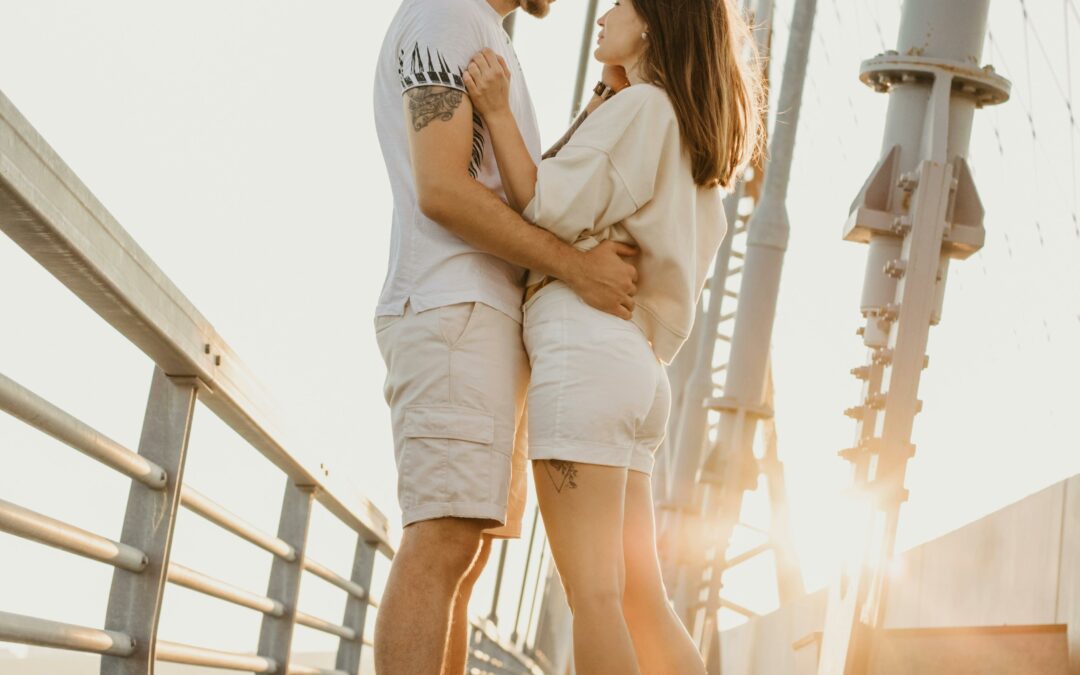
[[660, 640], [582, 507]]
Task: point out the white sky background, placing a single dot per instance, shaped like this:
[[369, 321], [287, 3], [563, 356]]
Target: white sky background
[[234, 141]]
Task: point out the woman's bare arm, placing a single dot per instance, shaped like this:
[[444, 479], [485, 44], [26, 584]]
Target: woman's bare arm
[[488, 82], [516, 166]]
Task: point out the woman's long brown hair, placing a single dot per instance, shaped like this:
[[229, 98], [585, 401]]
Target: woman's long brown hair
[[698, 52]]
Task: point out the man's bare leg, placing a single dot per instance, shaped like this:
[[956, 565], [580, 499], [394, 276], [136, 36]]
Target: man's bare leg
[[413, 620], [457, 647]]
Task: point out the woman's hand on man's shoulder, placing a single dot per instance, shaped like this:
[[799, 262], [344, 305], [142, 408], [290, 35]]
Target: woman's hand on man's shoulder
[[487, 79]]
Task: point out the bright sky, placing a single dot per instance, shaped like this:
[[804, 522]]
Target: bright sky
[[235, 142]]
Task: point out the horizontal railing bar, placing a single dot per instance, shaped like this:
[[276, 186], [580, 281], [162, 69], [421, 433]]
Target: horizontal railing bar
[[198, 503], [329, 575], [174, 652], [196, 581], [53, 216], [23, 522], [44, 416], [738, 609], [29, 630], [325, 626], [299, 669], [747, 555]]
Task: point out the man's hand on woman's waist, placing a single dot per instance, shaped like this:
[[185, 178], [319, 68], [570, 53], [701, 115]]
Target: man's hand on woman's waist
[[603, 278]]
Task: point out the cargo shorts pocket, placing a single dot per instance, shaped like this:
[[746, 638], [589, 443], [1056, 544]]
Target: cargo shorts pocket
[[446, 456], [455, 321]]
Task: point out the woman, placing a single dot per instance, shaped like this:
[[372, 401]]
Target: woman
[[644, 168]]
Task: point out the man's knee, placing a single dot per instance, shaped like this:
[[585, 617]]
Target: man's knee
[[445, 546]]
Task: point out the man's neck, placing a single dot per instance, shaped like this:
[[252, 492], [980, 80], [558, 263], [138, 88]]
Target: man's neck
[[503, 7]]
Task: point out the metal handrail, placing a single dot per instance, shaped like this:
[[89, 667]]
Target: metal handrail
[[197, 581], [316, 623], [297, 669], [44, 416], [33, 631], [27, 524], [196, 502], [328, 575], [175, 652], [53, 216]]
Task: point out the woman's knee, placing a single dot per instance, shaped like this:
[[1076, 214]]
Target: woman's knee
[[594, 597]]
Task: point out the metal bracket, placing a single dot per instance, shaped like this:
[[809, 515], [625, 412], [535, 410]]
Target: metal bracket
[[984, 85]]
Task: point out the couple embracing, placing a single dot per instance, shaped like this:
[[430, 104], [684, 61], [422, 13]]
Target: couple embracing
[[567, 279]]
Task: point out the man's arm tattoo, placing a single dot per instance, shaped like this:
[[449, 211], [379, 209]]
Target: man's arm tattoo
[[432, 103]]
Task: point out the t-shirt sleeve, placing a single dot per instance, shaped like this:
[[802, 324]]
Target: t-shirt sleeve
[[578, 191], [436, 46]]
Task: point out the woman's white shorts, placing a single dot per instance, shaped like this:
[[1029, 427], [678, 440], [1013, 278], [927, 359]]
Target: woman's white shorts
[[598, 393]]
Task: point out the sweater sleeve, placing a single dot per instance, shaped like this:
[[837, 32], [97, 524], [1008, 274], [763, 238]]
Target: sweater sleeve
[[579, 191], [608, 169]]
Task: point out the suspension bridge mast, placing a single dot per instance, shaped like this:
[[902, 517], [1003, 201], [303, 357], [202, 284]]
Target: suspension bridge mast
[[918, 211]]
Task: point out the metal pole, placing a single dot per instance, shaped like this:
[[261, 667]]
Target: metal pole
[[535, 594], [275, 636], [583, 58], [149, 521], [493, 615], [525, 575], [920, 191], [349, 651]]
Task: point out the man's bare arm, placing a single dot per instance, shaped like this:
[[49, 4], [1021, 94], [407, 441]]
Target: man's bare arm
[[441, 147]]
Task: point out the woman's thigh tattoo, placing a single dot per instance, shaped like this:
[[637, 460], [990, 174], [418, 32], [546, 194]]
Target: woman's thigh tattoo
[[562, 474]]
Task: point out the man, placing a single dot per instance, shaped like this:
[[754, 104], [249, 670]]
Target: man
[[448, 322]]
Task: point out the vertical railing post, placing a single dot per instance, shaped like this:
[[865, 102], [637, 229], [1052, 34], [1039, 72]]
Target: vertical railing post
[[525, 576], [149, 521], [493, 615], [532, 604], [275, 636], [349, 651]]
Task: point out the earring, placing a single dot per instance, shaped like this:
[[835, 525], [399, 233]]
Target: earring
[[645, 36]]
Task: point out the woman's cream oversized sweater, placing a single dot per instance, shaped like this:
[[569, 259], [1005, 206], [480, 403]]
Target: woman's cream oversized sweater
[[624, 176]]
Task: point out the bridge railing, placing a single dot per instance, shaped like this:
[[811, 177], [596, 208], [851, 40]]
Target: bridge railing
[[53, 216]]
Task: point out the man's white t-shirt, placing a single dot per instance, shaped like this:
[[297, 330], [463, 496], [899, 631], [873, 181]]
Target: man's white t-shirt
[[430, 42]]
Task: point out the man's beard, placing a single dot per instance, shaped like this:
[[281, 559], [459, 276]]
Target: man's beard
[[537, 8]]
